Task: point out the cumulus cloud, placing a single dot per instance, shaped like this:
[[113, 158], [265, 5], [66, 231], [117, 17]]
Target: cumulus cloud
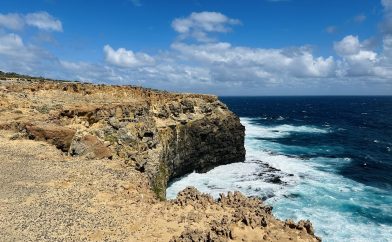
[[126, 58], [199, 25], [40, 20], [357, 60], [271, 64], [349, 45]]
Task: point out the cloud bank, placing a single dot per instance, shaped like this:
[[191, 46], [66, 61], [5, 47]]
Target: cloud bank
[[198, 61]]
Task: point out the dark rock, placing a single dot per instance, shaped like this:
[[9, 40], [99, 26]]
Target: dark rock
[[187, 106]]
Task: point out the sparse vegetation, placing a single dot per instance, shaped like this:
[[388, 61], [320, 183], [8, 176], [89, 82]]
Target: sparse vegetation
[[4, 75]]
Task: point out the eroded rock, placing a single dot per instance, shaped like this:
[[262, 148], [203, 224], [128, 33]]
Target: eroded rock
[[246, 214], [59, 136], [89, 146]]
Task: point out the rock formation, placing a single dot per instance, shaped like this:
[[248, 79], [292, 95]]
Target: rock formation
[[84, 162], [247, 216], [163, 134]]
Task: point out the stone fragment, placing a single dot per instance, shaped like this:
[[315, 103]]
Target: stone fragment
[[89, 146]]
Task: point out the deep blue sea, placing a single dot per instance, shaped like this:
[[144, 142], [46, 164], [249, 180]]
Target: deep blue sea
[[327, 159]]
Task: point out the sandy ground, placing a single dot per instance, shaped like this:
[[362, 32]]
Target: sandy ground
[[47, 196]]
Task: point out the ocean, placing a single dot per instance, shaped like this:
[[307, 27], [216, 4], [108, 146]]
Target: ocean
[[326, 159]]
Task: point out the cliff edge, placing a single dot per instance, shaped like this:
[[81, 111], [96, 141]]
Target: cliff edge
[[92, 162], [163, 134]]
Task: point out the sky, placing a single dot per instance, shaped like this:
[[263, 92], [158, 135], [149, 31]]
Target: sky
[[221, 47]]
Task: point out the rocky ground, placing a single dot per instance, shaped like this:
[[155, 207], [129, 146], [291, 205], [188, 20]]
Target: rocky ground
[[61, 180]]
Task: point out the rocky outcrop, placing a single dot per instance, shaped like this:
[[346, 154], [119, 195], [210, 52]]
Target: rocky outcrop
[[164, 135], [246, 215]]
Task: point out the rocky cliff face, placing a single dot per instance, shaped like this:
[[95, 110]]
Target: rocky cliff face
[[82, 162], [161, 134]]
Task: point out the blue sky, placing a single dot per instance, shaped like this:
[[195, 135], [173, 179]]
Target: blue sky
[[259, 47]]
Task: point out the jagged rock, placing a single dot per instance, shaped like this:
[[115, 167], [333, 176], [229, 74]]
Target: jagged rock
[[163, 113], [175, 109], [192, 196], [192, 235], [89, 146], [301, 225], [307, 225], [126, 137], [114, 122], [206, 108], [247, 212], [187, 106]]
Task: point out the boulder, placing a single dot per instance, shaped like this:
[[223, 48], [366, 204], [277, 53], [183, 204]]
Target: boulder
[[89, 146], [59, 136]]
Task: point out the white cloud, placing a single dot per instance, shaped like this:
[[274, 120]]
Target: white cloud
[[44, 21], [10, 43], [273, 63], [356, 60], [17, 56], [11, 21], [199, 25], [40, 20], [126, 58], [349, 45], [212, 66], [350, 48]]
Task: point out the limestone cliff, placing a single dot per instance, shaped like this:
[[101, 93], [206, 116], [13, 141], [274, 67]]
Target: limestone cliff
[[163, 134]]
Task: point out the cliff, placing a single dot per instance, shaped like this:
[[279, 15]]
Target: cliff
[[92, 162], [163, 134]]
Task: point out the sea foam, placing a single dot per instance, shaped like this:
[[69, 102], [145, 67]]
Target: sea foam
[[340, 209]]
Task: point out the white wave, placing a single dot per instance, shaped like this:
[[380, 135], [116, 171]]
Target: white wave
[[338, 207], [233, 177], [279, 131]]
